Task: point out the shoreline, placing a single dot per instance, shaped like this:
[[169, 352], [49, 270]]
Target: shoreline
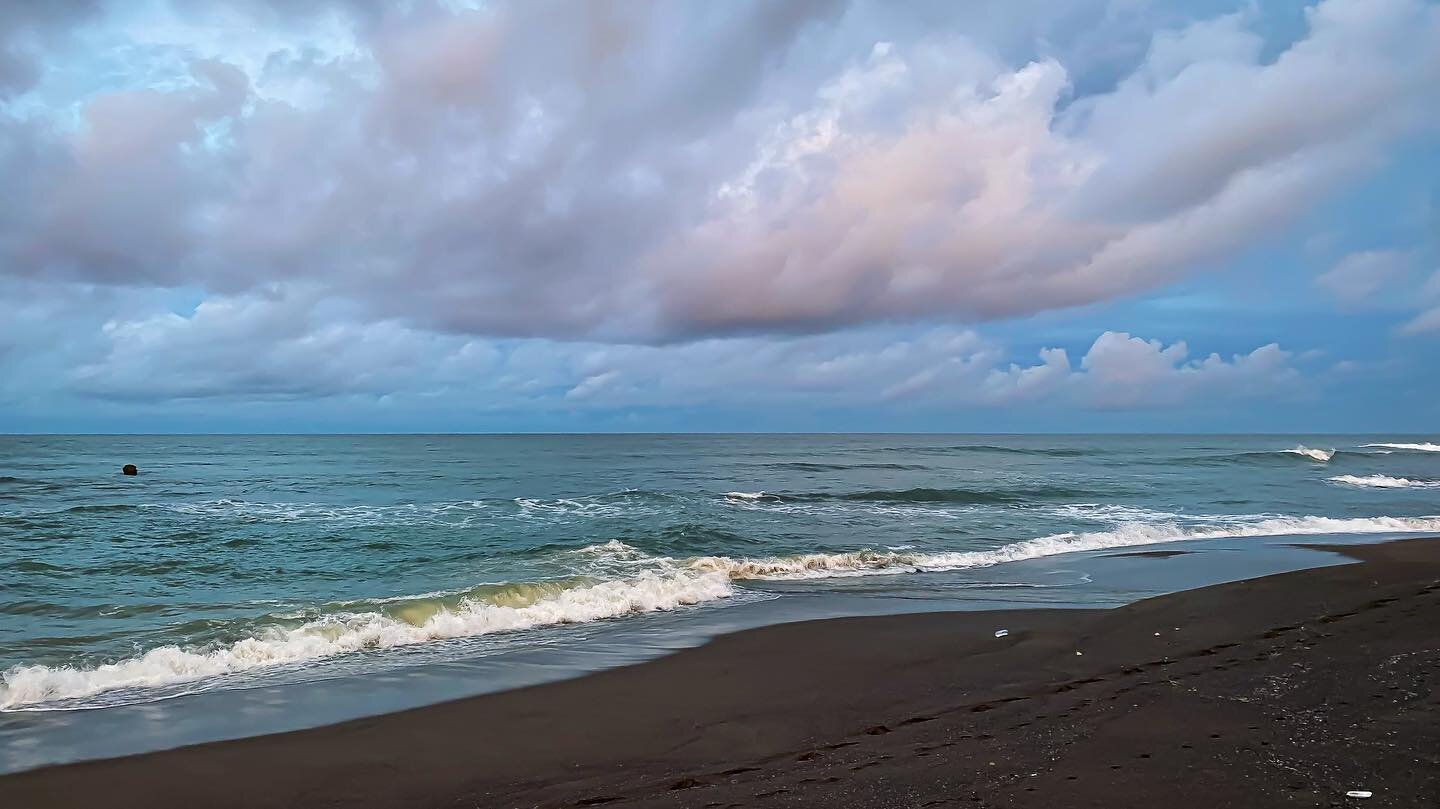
[[903, 710]]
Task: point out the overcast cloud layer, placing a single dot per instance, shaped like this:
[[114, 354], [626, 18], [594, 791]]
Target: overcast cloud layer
[[604, 207]]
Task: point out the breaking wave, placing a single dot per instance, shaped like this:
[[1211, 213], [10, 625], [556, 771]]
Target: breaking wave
[[825, 565], [1260, 456], [1321, 455], [1423, 447], [402, 622], [1385, 482], [661, 584]]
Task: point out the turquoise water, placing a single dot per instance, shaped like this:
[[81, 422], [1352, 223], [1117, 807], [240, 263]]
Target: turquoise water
[[293, 558]]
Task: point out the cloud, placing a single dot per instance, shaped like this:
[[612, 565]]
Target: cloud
[[1357, 277], [641, 173], [1020, 383], [26, 31], [281, 344], [112, 205], [48, 326], [1123, 372], [592, 385], [266, 345], [1428, 321]]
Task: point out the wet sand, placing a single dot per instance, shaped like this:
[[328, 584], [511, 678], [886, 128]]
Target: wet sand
[[1288, 690], [1149, 554]]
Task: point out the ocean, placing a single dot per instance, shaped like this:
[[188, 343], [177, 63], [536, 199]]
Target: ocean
[[352, 574]]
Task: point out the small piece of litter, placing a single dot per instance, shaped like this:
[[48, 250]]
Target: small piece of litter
[[1157, 634], [1000, 633], [1078, 654], [1359, 793]]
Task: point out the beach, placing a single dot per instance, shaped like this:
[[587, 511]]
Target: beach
[[829, 403], [1291, 689]]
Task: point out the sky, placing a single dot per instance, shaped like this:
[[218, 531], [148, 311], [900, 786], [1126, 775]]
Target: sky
[[791, 215]]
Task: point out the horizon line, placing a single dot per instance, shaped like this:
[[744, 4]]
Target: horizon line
[[524, 433]]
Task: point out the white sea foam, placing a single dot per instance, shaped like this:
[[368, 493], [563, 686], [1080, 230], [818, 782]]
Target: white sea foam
[[1425, 447], [612, 548], [459, 513], [1321, 455], [352, 632], [1386, 482], [1119, 514], [868, 562], [534, 507], [765, 501], [665, 584], [456, 512], [587, 507]]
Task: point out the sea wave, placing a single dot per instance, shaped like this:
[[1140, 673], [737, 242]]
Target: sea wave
[[1422, 447], [1258, 456], [862, 562], [342, 633], [457, 513], [811, 466], [1385, 482], [1118, 514], [661, 584], [751, 496], [1321, 455], [1053, 452], [30, 483], [253, 511], [1020, 493]]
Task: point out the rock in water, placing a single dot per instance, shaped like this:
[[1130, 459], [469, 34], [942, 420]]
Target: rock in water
[[130, 469]]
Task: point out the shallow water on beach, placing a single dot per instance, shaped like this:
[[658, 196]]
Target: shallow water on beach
[[264, 562]]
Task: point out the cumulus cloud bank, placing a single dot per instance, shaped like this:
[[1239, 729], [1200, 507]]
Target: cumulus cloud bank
[[278, 346], [659, 172]]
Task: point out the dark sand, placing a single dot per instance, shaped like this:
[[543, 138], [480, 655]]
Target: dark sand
[[1282, 691]]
